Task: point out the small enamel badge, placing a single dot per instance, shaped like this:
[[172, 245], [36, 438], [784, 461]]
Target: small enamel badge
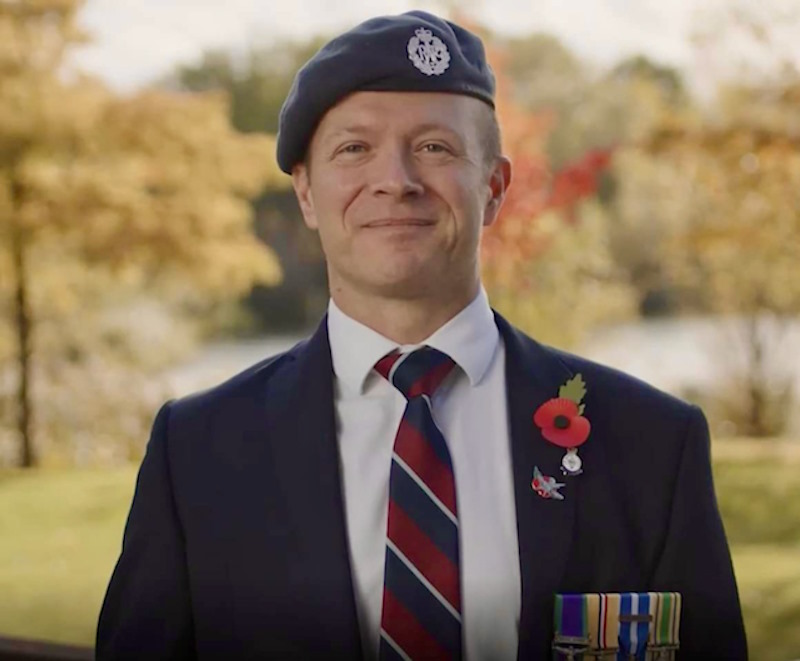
[[563, 424], [546, 486]]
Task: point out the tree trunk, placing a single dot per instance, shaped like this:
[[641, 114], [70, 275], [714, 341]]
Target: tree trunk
[[757, 385], [23, 322]]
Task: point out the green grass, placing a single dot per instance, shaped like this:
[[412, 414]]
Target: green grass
[[61, 533], [758, 487], [769, 587]]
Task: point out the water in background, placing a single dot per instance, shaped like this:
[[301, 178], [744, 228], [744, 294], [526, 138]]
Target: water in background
[[675, 355]]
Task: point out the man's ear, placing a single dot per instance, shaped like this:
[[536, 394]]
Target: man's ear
[[302, 189], [499, 181]]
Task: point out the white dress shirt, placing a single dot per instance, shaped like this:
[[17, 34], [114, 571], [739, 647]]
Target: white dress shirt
[[470, 410]]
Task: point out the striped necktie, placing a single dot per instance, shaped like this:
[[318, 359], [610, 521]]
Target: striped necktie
[[421, 616]]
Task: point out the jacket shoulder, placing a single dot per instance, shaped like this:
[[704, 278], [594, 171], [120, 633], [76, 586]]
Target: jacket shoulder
[[615, 384], [628, 411], [603, 382], [261, 380]]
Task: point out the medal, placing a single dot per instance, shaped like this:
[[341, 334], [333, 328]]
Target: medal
[[571, 463]]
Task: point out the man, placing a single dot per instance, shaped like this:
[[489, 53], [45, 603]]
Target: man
[[388, 488]]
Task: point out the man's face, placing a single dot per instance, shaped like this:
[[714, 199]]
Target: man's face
[[399, 187]]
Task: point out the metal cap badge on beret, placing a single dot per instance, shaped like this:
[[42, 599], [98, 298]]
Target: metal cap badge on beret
[[415, 52]]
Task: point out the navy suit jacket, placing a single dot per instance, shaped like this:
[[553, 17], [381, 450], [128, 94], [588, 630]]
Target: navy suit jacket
[[236, 544]]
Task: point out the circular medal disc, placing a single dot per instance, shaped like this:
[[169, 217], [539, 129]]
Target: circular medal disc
[[571, 461]]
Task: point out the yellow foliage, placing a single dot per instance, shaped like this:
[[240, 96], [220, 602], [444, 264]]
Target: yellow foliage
[[34, 34], [739, 179], [158, 181], [103, 197]]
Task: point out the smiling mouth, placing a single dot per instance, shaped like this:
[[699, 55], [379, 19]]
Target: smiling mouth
[[399, 222]]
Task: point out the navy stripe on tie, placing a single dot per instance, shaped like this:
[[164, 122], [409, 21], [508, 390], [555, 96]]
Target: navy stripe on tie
[[428, 516], [406, 587], [388, 652], [419, 416], [417, 365]]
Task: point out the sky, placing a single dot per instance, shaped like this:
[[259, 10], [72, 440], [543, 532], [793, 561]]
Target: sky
[[136, 41]]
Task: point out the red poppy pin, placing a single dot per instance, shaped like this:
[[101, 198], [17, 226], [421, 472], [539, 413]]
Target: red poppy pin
[[562, 423]]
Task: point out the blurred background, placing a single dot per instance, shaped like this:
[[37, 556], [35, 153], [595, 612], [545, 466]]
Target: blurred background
[[149, 246]]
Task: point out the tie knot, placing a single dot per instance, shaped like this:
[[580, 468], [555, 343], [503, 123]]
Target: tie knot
[[420, 372]]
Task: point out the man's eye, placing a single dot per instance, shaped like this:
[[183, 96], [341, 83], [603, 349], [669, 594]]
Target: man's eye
[[434, 148], [353, 148]]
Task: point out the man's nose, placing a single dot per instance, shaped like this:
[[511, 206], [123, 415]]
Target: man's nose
[[396, 174]]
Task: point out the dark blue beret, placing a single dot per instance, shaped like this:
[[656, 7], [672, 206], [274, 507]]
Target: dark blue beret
[[413, 52]]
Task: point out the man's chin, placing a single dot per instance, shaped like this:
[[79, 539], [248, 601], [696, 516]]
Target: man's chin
[[409, 285]]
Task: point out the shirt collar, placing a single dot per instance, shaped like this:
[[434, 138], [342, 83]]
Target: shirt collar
[[470, 339]]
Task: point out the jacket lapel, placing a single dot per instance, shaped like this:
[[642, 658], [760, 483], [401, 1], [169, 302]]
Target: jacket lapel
[[544, 527], [304, 446]]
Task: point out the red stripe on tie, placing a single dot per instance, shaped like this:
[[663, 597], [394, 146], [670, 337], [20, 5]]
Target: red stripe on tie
[[385, 364], [427, 384], [414, 449], [407, 632], [424, 554]]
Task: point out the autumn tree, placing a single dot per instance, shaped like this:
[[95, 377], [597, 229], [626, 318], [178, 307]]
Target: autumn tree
[[150, 191], [546, 260], [257, 82], [706, 202], [736, 252], [593, 113]]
